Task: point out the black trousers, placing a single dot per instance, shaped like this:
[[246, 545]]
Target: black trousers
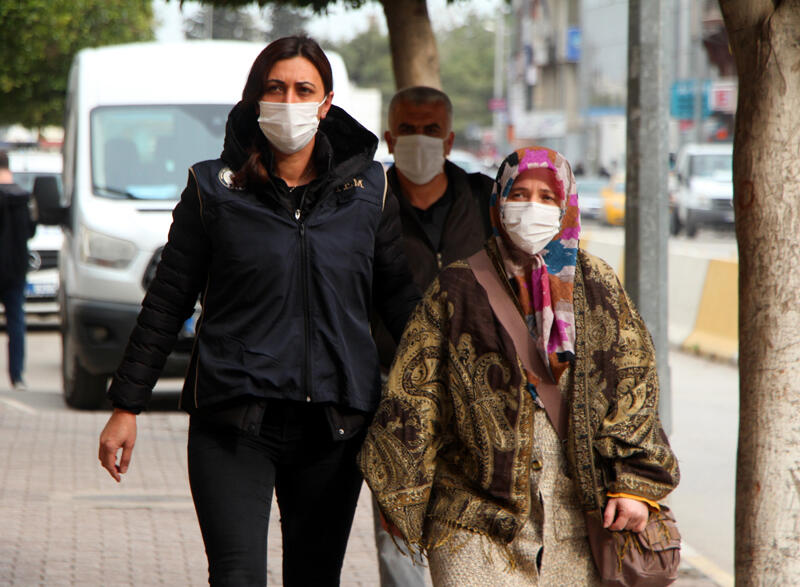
[[316, 481]]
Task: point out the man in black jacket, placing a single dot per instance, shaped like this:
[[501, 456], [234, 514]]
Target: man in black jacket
[[16, 227], [445, 217]]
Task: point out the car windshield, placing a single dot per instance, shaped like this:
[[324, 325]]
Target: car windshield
[[717, 166], [591, 187], [143, 152]]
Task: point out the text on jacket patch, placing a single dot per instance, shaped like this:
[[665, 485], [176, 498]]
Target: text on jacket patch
[[356, 182]]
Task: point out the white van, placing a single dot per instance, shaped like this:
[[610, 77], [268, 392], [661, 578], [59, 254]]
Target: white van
[[137, 117], [704, 195]]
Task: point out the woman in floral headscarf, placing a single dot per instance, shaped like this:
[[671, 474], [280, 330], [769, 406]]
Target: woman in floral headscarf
[[461, 455]]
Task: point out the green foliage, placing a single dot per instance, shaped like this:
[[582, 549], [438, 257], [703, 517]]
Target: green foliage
[[466, 61], [286, 20], [237, 24], [226, 23], [466, 58], [315, 5], [369, 62], [39, 39]]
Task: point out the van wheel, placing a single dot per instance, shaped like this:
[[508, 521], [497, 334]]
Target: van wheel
[[674, 223], [82, 390], [691, 226]]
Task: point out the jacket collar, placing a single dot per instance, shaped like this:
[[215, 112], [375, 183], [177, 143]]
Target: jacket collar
[[343, 147]]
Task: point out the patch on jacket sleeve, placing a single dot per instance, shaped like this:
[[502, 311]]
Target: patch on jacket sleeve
[[225, 177], [356, 182]]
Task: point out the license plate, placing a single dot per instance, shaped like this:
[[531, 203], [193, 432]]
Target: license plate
[[41, 290]]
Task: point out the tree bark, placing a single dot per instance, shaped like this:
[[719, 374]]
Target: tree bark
[[765, 40], [415, 59]]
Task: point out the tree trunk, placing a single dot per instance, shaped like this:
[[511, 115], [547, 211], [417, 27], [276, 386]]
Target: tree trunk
[[765, 40], [415, 59]]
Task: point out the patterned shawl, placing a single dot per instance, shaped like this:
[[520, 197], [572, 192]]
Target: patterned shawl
[[544, 280]]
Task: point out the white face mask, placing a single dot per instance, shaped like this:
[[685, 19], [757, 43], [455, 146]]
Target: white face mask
[[419, 157], [289, 126], [530, 225]]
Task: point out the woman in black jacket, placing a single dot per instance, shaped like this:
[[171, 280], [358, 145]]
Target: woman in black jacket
[[287, 239]]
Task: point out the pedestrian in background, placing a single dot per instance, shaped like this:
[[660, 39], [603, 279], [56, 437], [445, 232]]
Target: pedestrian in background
[[445, 217], [461, 455], [287, 238], [16, 227]]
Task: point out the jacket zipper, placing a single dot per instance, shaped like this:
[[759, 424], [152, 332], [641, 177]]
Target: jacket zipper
[[197, 328], [306, 317]]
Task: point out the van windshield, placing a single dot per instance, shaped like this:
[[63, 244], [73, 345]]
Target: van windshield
[[144, 152], [717, 166]]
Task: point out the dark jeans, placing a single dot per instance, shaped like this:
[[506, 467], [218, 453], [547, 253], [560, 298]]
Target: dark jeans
[[12, 297], [316, 482]]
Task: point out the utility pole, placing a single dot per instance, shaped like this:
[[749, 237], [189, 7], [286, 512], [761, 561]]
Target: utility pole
[[210, 22], [500, 117], [647, 155], [700, 71]]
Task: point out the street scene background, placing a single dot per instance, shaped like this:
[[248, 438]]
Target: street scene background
[[519, 73]]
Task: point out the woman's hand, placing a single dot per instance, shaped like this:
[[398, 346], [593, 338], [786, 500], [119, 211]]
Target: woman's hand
[[624, 513], [119, 433]]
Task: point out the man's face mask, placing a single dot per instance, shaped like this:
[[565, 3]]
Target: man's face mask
[[419, 158]]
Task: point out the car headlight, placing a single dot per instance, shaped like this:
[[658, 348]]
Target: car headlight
[[105, 251]]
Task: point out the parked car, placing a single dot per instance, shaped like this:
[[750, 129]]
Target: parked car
[[469, 162], [41, 289], [613, 196], [589, 199], [704, 194]]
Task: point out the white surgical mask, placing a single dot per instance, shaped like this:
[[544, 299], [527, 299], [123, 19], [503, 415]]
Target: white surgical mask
[[530, 225], [289, 126], [419, 157]]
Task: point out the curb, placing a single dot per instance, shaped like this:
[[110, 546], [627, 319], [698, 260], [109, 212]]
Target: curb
[[702, 293], [716, 329], [695, 566]]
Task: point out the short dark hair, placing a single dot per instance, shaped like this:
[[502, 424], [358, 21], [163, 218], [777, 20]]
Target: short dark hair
[[422, 95], [3, 159]]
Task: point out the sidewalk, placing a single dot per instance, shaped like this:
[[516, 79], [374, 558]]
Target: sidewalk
[[64, 522]]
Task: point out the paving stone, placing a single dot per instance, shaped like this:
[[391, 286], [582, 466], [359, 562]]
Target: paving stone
[[65, 522]]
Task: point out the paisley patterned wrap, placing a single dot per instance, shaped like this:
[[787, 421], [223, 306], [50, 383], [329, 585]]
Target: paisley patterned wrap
[[451, 445]]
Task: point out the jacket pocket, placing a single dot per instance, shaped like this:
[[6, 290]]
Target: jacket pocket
[[229, 363]]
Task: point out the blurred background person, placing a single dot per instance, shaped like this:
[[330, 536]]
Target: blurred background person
[[16, 227]]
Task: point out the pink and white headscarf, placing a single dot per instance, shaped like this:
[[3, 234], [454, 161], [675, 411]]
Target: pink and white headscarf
[[545, 280]]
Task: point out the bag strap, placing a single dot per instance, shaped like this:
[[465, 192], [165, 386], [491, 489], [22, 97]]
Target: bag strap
[[512, 321]]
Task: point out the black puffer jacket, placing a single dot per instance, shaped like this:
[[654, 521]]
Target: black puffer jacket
[[466, 228], [285, 287]]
